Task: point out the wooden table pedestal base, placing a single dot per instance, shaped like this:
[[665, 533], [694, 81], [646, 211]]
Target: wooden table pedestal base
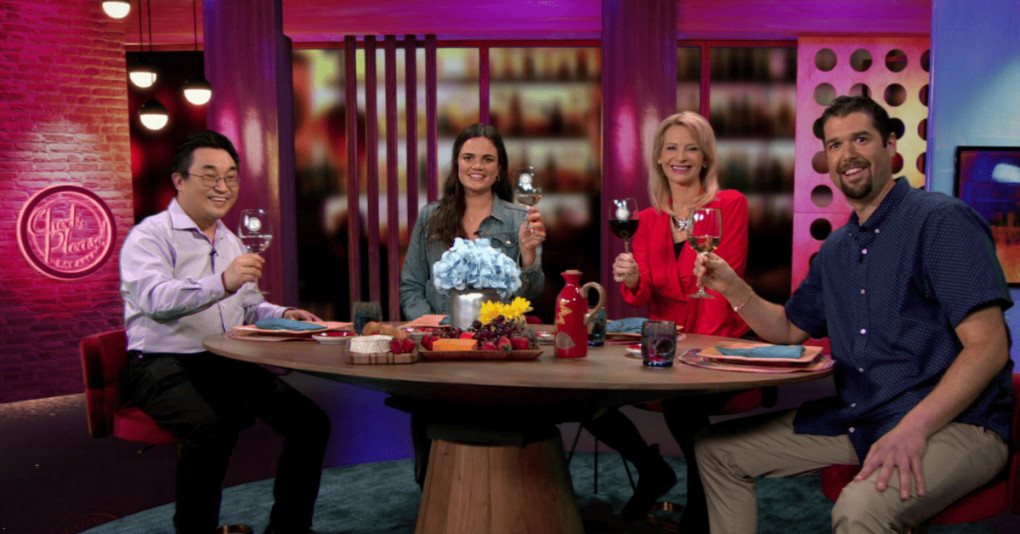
[[498, 489]]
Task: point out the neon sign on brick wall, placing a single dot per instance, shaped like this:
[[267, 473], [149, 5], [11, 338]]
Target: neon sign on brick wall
[[66, 232]]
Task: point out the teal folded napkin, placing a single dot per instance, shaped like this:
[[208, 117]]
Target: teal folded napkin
[[627, 325], [288, 324], [789, 352]]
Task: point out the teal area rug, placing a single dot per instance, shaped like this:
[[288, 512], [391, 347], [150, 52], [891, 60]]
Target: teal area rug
[[382, 498]]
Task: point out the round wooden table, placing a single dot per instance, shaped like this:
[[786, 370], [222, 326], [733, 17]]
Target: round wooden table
[[497, 463]]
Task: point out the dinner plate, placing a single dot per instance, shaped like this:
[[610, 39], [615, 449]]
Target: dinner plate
[[335, 337], [326, 326], [808, 355], [693, 357]]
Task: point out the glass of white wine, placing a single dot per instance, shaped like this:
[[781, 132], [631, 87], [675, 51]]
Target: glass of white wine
[[703, 234], [256, 232], [525, 192]]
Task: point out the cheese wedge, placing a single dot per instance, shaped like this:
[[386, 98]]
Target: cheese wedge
[[454, 344]]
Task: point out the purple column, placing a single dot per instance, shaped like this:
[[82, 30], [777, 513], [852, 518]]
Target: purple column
[[639, 47], [248, 63]]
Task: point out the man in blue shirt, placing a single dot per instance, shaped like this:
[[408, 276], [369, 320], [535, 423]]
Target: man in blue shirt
[[911, 296]]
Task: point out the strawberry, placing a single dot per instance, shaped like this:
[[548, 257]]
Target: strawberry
[[408, 345], [504, 344], [467, 335], [488, 345], [426, 342], [520, 343], [396, 347]]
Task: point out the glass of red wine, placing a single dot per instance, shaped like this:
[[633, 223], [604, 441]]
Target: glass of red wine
[[624, 219]]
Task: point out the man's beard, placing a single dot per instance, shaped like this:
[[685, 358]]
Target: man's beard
[[862, 189]]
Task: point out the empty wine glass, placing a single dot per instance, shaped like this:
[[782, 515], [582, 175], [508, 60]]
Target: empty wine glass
[[623, 221], [256, 232], [703, 234], [525, 192]]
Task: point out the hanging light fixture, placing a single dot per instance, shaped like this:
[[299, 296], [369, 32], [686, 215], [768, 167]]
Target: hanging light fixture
[[117, 9], [197, 90], [153, 115], [142, 73]]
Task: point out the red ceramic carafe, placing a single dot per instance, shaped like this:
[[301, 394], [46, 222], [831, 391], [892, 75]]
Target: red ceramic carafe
[[572, 315]]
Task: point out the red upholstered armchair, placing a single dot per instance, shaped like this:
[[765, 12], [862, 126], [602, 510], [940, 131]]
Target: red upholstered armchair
[[995, 497], [103, 357]]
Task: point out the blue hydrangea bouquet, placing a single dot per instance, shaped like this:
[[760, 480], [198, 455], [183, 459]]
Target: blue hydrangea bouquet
[[476, 265]]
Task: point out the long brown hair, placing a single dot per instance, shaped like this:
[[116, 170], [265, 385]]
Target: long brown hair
[[445, 223], [701, 130]]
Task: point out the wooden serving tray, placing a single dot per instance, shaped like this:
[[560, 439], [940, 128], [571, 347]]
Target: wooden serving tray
[[531, 354], [380, 358]]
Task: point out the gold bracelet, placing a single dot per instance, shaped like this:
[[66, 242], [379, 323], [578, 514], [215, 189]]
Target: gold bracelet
[[737, 308]]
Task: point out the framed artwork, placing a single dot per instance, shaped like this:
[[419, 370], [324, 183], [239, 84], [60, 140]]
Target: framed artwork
[[988, 180]]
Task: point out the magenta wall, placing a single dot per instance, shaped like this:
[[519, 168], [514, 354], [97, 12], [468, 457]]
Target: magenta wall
[[64, 121]]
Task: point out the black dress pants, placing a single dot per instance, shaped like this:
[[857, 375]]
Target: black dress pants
[[205, 400]]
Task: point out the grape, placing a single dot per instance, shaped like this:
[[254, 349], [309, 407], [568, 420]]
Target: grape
[[476, 325]]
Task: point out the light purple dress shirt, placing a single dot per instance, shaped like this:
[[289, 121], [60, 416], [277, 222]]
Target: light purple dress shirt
[[170, 280]]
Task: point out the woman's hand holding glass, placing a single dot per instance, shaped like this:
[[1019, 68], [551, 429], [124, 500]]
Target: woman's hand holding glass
[[528, 194], [625, 270], [530, 235]]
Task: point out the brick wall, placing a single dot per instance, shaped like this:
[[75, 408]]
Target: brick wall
[[63, 119]]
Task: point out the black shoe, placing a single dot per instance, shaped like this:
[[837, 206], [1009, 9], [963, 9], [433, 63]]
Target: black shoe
[[655, 478]]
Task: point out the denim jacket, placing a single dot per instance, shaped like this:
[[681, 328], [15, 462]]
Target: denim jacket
[[418, 293]]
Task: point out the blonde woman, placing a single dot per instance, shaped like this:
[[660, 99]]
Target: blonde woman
[[659, 273]]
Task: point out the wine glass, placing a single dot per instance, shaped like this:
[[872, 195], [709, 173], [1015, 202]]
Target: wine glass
[[256, 232], [526, 193], [703, 234], [624, 220]]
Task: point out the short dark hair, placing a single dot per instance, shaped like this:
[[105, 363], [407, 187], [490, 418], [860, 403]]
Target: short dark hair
[[205, 139], [845, 105]]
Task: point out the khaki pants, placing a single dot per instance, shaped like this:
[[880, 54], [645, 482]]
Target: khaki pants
[[958, 459]]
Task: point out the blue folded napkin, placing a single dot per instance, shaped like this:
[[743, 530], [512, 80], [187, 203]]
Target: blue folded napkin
[[444, 321], [287, 324], [789, 352], [627, 325]]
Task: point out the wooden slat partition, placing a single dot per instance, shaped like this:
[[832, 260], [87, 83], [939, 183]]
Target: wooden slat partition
[[483, 85], [392, 186], [432, 177], [373, 224], [353, 210], [372, 172], [411, 90]]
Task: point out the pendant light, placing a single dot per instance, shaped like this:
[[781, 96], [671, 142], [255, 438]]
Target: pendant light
[[153, 115], [197, 90], [117, 9], [142, 73]]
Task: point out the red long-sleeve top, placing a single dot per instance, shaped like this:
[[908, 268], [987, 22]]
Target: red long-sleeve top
[[667, 279]]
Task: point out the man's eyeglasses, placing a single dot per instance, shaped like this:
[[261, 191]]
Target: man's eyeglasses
[[210, 179]]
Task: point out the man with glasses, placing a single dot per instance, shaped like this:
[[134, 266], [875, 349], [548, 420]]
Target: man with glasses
[[181, 270]]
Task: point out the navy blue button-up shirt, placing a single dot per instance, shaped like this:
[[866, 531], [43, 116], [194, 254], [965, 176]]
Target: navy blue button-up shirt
[[889, 294]]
